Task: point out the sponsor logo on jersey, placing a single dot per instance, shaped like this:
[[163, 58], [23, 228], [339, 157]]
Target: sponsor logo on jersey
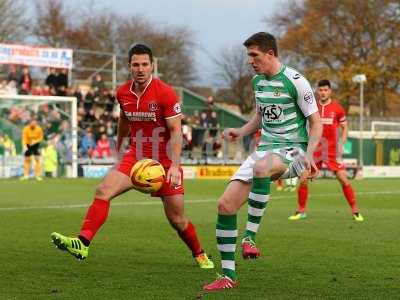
[[177, 108], [308, 97], [327, 121], [272, 113], [140, 116], [153, 106], [277, 92], [296, 76]]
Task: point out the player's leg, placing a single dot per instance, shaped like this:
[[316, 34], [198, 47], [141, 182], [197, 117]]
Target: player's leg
[[269, 167], [174, 211], [349, 194], [302, 197], [27, 163], [113, 184], [226, 232]]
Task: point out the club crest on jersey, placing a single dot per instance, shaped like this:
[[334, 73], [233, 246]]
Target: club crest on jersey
[[272, 113], [308, 97], [277, 93], [153, 106], [177, 108]]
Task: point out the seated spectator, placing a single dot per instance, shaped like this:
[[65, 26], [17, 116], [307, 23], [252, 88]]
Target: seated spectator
[[103, 148], [88, 144]]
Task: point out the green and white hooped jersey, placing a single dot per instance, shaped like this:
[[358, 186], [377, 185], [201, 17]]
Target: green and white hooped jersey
[[284, 101]]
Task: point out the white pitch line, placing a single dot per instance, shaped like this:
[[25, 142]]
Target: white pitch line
[[84, 205]]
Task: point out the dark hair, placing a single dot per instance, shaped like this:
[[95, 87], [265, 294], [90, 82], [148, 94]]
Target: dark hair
[[265, 41], [140, 49], [324, 82]]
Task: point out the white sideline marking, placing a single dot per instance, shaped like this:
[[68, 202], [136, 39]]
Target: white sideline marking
[[145, 203]]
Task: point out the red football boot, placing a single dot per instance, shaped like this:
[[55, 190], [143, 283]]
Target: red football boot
[[222, 283], [249, 249]]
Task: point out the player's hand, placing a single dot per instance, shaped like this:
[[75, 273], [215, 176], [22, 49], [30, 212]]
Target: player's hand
[[174, 176], [231, 134], [311, 169]]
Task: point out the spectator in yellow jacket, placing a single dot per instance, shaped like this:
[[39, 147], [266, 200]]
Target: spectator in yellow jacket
[[32, 135]]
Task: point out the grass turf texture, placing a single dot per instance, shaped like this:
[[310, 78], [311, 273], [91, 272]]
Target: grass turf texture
[[136, 255]]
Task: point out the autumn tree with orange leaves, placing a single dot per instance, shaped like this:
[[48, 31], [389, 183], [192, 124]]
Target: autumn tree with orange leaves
[[340, 38]]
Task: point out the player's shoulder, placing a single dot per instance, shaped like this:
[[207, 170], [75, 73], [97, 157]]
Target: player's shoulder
[[336, 104], [124, 87], [295, 77], [161, 85]]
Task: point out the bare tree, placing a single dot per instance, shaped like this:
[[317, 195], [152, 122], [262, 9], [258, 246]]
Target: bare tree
[[337, 39], [13, 24], [172, 45], [234, 78]]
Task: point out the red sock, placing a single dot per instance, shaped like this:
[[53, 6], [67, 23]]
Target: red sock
[[302, 195], [189, 236], [350, 197], [95, 217]]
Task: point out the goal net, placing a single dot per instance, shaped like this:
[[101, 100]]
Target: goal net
[[58, 118]]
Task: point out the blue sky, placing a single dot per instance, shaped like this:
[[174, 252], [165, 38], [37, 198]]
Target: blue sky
[[216, 24]]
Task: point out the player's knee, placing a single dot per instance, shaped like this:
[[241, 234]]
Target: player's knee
[[269, 168], [103, 191], [178, 221], [225, 207]]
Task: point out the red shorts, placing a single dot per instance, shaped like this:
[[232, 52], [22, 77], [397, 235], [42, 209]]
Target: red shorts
[[331, 164], [126, 164]]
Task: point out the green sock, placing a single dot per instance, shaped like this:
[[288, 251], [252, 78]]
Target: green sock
[[226, 234], [258, 200]]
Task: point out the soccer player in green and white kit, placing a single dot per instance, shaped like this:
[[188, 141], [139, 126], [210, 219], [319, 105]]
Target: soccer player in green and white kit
[[285, 103]]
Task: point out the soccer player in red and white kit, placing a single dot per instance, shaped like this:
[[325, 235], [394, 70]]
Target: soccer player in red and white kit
[[329, 151], [151, 116]]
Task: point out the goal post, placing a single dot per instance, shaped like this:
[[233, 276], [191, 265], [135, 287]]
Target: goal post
[[15, 111]]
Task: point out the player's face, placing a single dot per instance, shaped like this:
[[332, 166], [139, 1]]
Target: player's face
[[260, 61], [141, 68], [324, 93]]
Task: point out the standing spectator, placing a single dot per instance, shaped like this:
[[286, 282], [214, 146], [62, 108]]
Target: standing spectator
[[50, 160], [12, 74], [62, 81], [8, 146], [98, 83], [213, 124], [25, 81], [51, 79]]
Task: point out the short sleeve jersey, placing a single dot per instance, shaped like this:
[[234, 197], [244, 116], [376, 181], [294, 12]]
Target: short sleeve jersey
[[32, 135], [147, 117], [284, 101], [332, 116]]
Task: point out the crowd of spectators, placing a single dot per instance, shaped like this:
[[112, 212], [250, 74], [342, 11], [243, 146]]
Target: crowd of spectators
[[97, 115]]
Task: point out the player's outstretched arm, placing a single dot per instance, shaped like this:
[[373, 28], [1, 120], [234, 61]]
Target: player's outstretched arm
[[233, 134]]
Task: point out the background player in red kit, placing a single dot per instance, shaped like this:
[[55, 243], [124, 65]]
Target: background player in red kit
[[151, 116], [329, 150]]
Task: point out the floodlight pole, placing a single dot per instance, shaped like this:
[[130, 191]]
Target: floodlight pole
[[361, 79], [361, 155]]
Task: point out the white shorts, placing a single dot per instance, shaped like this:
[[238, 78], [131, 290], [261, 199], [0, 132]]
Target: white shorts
[[289, 156]]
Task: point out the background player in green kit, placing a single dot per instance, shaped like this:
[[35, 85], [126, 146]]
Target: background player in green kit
[[285, 103]]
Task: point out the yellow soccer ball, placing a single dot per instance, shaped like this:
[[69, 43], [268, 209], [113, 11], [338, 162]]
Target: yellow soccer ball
[[147, 176]]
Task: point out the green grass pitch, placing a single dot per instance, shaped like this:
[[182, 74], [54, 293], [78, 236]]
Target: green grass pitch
[[136, 255]]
